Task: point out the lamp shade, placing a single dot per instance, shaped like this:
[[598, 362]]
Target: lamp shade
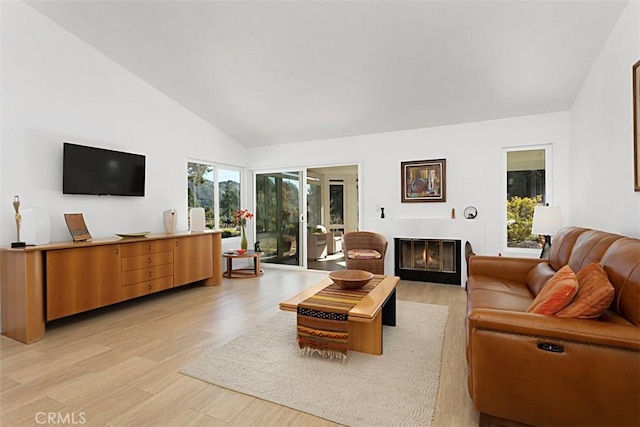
[[547, 220]]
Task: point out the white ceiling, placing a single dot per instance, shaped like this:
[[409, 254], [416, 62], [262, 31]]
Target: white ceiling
[[270, 72]]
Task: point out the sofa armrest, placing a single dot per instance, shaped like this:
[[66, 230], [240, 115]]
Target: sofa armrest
[[515, 269], [551, 327], [544, 370]]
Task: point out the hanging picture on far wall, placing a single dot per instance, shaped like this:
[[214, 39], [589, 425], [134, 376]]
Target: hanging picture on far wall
[[424, 181], [636, 124]]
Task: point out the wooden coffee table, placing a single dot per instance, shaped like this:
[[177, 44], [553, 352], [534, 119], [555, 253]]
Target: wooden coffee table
[[366, 318]]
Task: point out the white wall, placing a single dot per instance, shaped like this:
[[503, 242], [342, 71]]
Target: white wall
[[56, 88], [475, 170], [602, 193]]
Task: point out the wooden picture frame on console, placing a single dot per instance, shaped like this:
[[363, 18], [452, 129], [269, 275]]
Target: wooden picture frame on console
[[636, 125], [77, 227], [424, 181]]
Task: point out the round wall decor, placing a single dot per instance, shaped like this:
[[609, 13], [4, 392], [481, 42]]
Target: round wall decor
[[470, 212]]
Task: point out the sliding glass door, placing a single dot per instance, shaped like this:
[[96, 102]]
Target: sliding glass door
[[279, 217]]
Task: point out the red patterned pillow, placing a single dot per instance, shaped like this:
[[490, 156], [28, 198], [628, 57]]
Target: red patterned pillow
[[594, 296], [556, 294]]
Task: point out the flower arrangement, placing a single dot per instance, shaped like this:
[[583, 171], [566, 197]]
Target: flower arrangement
[[240, 217]]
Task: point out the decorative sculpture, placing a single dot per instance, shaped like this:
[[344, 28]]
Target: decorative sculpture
[[16, 206]]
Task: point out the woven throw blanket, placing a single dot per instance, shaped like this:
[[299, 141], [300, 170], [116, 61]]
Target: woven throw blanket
[[323, 319]]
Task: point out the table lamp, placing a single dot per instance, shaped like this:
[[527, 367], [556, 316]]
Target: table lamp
[[547, 220]]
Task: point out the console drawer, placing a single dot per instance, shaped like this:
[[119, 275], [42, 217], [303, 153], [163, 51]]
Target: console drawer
[[143, 248], [145, 261], [147, 287], [147, 274]]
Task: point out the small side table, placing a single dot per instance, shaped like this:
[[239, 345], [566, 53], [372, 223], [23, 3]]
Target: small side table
[[242, 273]]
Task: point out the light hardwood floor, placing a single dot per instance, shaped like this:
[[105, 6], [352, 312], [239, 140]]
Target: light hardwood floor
[[118, 366]]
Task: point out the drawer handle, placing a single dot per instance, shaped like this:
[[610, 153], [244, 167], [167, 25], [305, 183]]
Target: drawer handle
[[176, 243], [149, 274], [117, 251], [149, 247], [148, 260], [150, 287]]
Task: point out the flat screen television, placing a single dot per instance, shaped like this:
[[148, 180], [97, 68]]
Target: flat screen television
[[97, 171]]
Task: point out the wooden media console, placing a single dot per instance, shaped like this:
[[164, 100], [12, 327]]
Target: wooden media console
[[47, 282]]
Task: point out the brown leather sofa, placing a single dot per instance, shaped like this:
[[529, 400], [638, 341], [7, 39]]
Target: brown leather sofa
[[551, 371]]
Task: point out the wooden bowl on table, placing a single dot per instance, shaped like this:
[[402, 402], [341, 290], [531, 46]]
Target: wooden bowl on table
[[350, 279]]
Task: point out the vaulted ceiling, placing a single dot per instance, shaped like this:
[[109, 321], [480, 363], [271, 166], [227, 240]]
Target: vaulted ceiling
[[271, 72]]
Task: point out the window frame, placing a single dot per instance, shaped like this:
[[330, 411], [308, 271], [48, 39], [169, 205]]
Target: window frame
[[548, 196], [216, 189], [314, 180], [338, 182]]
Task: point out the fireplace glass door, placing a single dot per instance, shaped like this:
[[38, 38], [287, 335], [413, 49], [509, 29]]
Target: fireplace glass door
[[435, 260]]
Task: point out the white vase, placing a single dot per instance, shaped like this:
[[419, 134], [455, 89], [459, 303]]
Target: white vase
[[170, 219]]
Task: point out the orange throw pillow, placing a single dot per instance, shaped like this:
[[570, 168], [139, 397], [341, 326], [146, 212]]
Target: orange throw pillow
[[594, 296], [556, 294]]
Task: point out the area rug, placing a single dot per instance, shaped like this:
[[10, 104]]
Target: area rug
[[398, 388]]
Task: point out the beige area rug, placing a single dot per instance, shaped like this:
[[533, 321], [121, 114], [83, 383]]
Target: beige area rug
[[398, 388]]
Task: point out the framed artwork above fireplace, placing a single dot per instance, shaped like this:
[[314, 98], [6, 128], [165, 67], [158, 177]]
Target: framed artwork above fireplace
[[424, 181]]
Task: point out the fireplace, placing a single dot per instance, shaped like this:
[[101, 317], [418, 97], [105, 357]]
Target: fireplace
[[428, 260]]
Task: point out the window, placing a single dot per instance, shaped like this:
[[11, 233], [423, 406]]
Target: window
[[217, 190], [527, 186], [229, 200], [314, 203], [336, 204], [278, 197], [200, 190]]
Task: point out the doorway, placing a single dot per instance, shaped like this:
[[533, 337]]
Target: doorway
[[332, 210], [279, 217], [301, 225]]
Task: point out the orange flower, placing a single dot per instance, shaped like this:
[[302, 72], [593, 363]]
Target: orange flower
[[241, 217]]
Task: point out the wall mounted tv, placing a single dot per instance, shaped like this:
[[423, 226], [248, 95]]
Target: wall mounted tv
[[91, 170]]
